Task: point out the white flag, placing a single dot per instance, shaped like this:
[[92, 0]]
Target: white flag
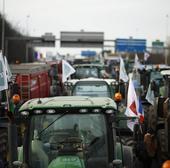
[[150, 95], [146, 56], [137, 64], [8, 71], [132, 105], [67, 70], [132, 101], [3, 75], [122, 72], [131, 123]]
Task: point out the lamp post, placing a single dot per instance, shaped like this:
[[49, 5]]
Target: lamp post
[[167, 25], [27, 25], [166, 39], [3, 27]]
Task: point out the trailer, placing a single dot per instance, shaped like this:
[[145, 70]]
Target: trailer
[[32, 80]]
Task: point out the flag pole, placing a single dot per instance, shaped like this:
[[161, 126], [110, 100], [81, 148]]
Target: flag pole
[[7, 99], [7, 90], [5, 87], [2, 47], [3, 27]]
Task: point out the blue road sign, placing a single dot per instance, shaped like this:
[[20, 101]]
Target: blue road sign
[[88, 53], [130, 45]]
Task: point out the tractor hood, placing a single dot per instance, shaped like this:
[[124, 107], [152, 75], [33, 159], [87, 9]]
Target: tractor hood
[[67, 162]]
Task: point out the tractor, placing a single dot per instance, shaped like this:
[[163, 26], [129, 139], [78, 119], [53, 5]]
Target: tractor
[[71, 131]]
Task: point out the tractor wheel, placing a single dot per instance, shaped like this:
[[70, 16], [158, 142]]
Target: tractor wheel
[[152, 118], [129, 141], [3, 144], [162, 148], [128, 157]]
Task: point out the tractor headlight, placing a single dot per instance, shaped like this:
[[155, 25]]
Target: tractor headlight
[[83, 110], [96, 110], [38, 111], [50, 111], [25, 113], [109, 111]]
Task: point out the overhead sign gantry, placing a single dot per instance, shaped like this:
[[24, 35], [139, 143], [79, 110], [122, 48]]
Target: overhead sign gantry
[[81, 39], [46, 40]]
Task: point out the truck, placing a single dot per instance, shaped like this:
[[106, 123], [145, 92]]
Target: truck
[[71, 131], [32, 80]]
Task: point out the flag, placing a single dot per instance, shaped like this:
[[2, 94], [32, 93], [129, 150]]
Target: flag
[[8, 71], [146, 56], [122, 72], [140, 111], [132, 101], [137, 64], [67, 70], [150, 95], [132, 105], [3, 75], [131, 123]]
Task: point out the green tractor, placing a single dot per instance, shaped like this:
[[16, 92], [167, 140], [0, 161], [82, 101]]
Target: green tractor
[[96, 87], [93, 87], [73, 132]]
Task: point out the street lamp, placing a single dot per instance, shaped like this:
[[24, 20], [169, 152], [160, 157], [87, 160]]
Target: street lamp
[[167, 26], [3, 26], [27, 24], [166, 39]]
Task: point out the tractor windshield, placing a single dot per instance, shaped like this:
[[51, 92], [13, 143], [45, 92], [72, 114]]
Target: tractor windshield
[[85, 72], [93, 89], [73, 139]]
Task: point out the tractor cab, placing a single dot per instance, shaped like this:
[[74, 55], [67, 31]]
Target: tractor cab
[[88, 70], [96, 87], [166, 75], [93, 87], [71, 131]]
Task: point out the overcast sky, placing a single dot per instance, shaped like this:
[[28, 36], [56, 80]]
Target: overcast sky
[[148, 19]]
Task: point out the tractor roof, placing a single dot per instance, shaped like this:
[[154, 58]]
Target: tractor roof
[[29, 68], [88, 65], [91, 79], [165, 72], [69, 102]]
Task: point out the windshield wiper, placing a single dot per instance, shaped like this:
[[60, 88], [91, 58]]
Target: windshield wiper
[[52, 123]]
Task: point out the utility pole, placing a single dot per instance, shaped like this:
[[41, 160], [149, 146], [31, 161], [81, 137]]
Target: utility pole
[[3, 27]]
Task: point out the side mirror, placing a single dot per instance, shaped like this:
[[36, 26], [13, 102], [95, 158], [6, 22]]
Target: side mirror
[[17, 163], [116, 163], [68, 84]]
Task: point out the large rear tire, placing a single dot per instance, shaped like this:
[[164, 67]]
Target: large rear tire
[[128, 156]]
